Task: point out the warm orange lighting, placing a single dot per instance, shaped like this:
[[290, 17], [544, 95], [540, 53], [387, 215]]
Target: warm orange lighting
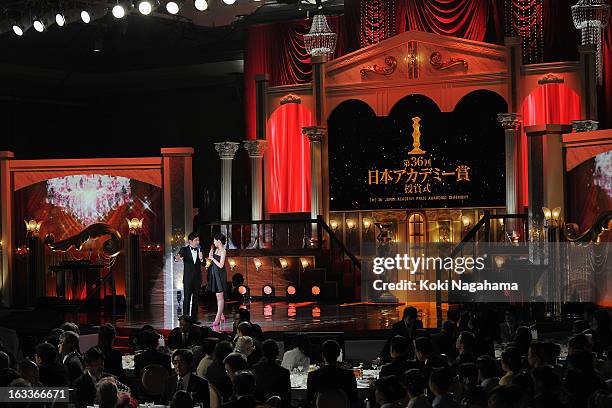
[[304, 262], [135, 225], [291, 290], [334, 224], [316, 290], [465, 220], [547, 213], [556, 213], [501, 221], [242, 290], [232, 264], [267, 290], [33, 227], [267, 311], [350, 224], [283, 263], [367, 223], [208, 263], [257, 263]]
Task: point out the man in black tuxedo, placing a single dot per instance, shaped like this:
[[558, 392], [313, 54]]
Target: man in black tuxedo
[[331, 376], [185, 379], [244, 391], [186, 335], [406, 328], [192, 258], [52, 373], [272, 379], [85, 385], [151, 355], [69, 351], [399, 358]]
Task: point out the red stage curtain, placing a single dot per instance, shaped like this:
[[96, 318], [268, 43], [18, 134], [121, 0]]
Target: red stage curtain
[[457, 18], [288, 160], [548, 104], [256, 61]]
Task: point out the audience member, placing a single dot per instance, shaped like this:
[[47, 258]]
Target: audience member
[[440, 382], [244, 391], [603, 330], [69, 326], [428, 360], [208, 347], [107, 394], [522, 339], [5, 361], [547, 388], [112, 357], [272, 379], [85, 386], [400, 346], [52, 373], [508, 328], [28, 370], [181, 399], [247, 346], [235, 362], [69, 352], [149, 341], [216, 374], [466, 343], [184, 379], [444, 342], [506, 397], [487, 373], [511, 364], [389, 392], [471, 394], [243, 315], [185, 336], [415, 384], [406, 328], [581, 380], [299, 355], [332, 376], [332, 399]]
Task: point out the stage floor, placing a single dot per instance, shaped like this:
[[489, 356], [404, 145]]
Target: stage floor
[[282, 316]]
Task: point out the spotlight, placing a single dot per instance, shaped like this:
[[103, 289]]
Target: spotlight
[[120, 10], [268, 291], [65, 17], [21, 26], [291, 292], [147, 6], [60, 19], [200, 5], [89, 14], [173, 6], [315, 290], [41, 23], [229, 2], [245, 292]]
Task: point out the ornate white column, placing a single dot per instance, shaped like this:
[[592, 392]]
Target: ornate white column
[[226, 151], [316, 136], [511, 124], [256, 149]]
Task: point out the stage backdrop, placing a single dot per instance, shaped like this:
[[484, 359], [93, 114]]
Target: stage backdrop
[[66, 205], [418, 157]]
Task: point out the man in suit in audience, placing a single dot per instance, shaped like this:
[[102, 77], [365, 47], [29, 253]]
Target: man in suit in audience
[[186, 335], [406, 328], [85, 385], [244, 391], [113, 362], [331, 376], [69, 352], [149, 340], [241, 316], [444, 342], [427, 358], [272, 379], [185, 379], [52, 373], [400, 346]]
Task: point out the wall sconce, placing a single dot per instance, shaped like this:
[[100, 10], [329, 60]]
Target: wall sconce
[[135, 225], [305, 263], [283, 263], [552, 218], [466, 221], [499, 261], [208, 263], [501, 222], [334, 225], [350, 224], [232, 264], [32, 227], [257, 263], [367, 223]]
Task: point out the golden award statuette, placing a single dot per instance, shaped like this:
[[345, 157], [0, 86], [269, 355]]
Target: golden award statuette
[[416, 137]]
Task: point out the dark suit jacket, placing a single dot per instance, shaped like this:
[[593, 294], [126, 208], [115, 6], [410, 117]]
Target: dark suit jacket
[[272, 379], [216, 375], [196, 384], [53, 375], [444, 343], [257, 332], [85, 390], [175, 338], [150, 357], [113, 363], [401, 329], [397, 366], [74, 365], [247, 401], [332, 377], [191, 271]]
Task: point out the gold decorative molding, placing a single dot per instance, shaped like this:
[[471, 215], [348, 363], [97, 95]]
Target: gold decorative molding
[[436, 62], [551, 78], [391, 65], [291, 98]]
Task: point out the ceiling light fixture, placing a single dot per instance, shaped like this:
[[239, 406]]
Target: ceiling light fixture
[[119, 10], [145, 7], [65, 17], [200, 5], [173, 6], [89, 14], [42, 22], [229, 2]]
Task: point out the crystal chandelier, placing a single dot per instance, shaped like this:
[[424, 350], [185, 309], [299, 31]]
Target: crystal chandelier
[[320, 40], [591, 17]]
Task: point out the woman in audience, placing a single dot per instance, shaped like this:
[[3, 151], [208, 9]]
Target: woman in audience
[[246, 345], [299, 355], [69, 352], [511, 364], [216, 374], [208, 348], [389, 392], [415, 384]]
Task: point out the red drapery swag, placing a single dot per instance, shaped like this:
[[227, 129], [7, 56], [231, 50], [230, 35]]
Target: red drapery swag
[[288, 160], [547, 104]]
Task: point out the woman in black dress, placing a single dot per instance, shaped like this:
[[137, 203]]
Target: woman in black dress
[[217, 279]]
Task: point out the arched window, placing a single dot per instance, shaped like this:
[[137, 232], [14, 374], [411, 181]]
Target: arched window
[[416, 229]]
